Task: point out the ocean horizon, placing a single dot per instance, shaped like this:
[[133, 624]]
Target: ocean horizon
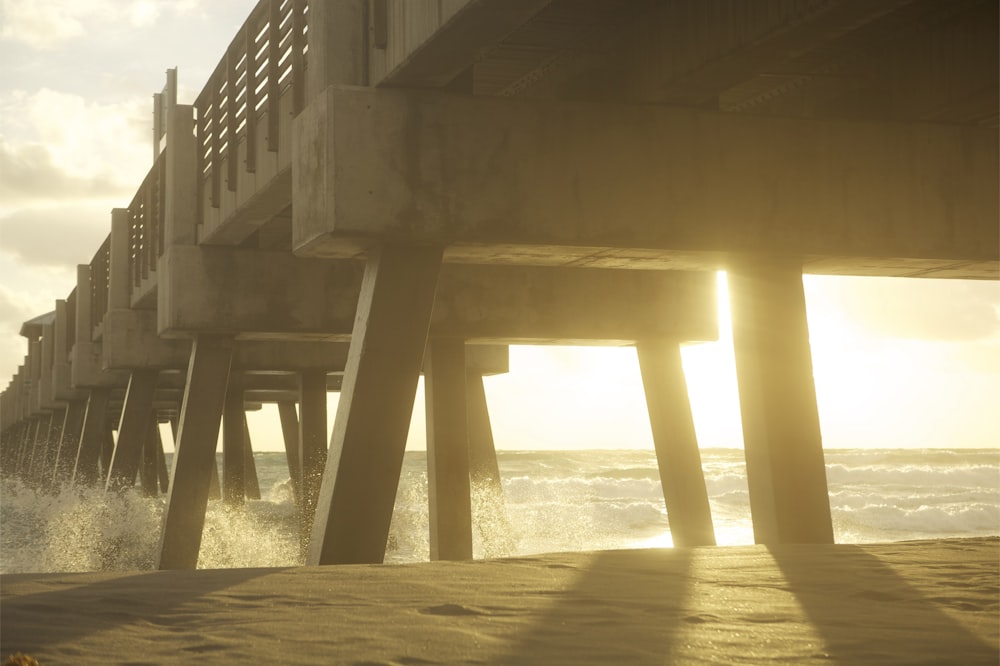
[[553, 501]]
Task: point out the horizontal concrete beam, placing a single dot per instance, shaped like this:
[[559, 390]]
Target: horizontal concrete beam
[[573, 183], [256, 294]]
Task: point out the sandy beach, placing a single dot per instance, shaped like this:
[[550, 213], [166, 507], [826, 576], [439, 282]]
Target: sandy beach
[[897, 603]]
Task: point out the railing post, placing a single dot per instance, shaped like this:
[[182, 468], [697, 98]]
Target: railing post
[[118, 269], [181, 207], [84, 323], [337, 45]]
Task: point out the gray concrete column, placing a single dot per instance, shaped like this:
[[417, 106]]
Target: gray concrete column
[[85, 471], [194, 452], [214, 486], [69, 441], [147, 468], [489, 510], [161, 462], [677, 454], [312, 439], [290, 434], [781, 432], [107, 449], [133, 429], [448, 491], [376, 402], [251, 483], [233, 456]]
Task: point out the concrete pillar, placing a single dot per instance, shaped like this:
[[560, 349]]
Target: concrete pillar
[[373, 416], [133, 428], [251, 483], [147, 467], [677, 454], [214, 486], [290, 433], [46, 471], [85, 470], [194, 452], [161, 462], [448, 491], [312, 438], [489, 511], [39, 448], [781, 432], [233, 457], [69, 442], [107, 449]]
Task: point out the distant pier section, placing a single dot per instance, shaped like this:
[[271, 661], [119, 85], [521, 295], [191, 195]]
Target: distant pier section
[[367, 191]]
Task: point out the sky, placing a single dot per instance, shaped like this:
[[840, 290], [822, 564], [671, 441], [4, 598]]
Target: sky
[[897, 362]]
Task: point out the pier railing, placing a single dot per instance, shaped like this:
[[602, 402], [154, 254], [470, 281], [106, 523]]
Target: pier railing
[[100, 275], [146, 228], [265, 59]]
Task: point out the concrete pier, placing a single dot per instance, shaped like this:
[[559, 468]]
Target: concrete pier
[[444, 176]]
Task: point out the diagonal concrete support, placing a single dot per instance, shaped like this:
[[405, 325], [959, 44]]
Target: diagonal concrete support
[[786, 474], [448, 490], [251, 482], [69, 441], [312, 440], [233, 456], [290, 434], [133, 429], [162, 476], [147, 468], [380, 381], [85, 471], [677, 454], [194, 454], [489, 511]]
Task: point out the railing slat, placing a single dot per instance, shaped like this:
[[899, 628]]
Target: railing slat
[[232, 151], [273, 73], [250, 115]]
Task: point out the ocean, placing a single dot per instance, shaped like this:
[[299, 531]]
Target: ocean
[[553, 500]]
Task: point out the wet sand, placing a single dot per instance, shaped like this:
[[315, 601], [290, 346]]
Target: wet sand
[[897, 603]]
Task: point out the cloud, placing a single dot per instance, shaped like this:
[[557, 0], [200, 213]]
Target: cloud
[[954, 310], [58, 237], [68, 148], [46, 24], [29, 173]]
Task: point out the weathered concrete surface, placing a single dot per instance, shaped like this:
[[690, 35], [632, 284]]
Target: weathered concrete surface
[[194, 455], [259, 293], [677, 455], [448, 472], [569, 183], [365, 456], [786, 475]]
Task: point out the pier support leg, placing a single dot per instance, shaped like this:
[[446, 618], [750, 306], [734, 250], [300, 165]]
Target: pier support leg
[[786, 474], [194, 454], [312, 439], [251, 482], [233, 457], [133, 429], [677, 454], [85, 470], [376, 402], [47, 470], [147, 468], [161, 462], [290, 433], [448, 490], [107, 449], [489, 510], [69, 441]]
